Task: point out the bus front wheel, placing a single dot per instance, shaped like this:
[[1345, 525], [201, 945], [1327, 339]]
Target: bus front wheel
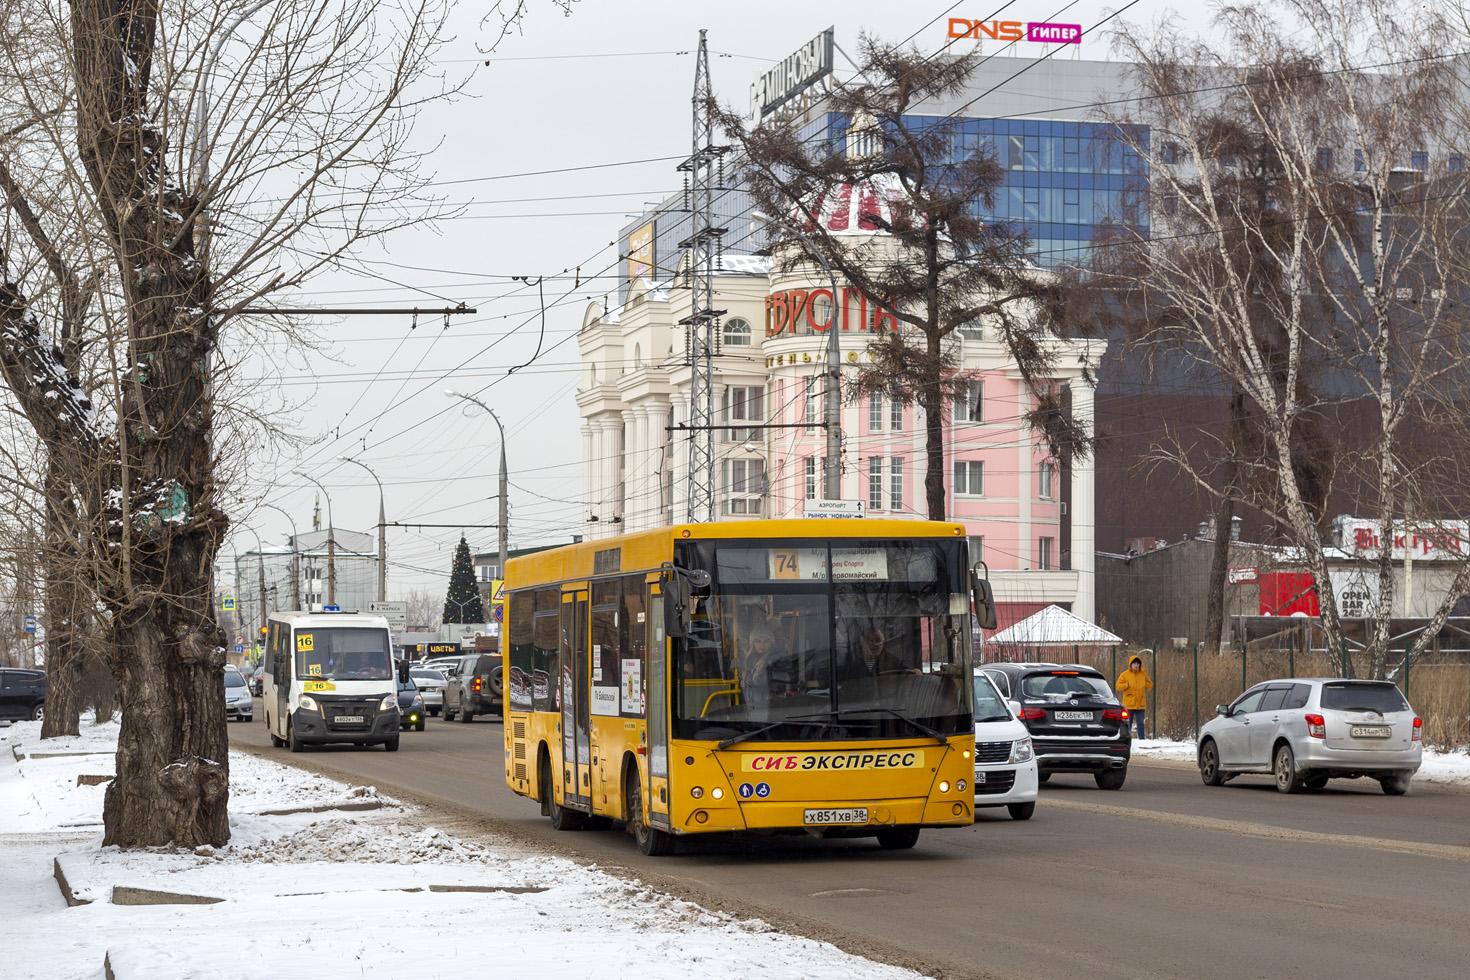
[[650, 840], [898, 838]]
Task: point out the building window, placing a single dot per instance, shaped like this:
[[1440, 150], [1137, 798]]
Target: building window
[[811, 478], [875, 412], [809, 402], [737, 332], [1169, 153], [895, 415], [977, 548], [1043, 481], [969, 477], [744, 404], [1016, 156], [895, 483], [1419, 160], [1359, 164], [1044, 554], [969, 402], [875, 483], [1456, 162], [744, 483], [1324, 158]]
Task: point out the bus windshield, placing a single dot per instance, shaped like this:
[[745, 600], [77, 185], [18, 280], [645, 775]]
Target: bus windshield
[[343, 653], [814, 640]]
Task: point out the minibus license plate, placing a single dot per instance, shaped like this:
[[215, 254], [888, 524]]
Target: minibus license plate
[[1072, 715], [1371, 731], [850, 814], [349, 719]]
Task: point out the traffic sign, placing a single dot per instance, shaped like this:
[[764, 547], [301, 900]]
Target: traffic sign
[[832, 508], [30, 624], [499, 612], [239, 648], [227, 603], [331, 608]]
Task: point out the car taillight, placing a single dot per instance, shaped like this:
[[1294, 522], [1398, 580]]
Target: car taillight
[[1316, 726], [1030, 713], [1418, 729], [475, 685], [1114, 714]]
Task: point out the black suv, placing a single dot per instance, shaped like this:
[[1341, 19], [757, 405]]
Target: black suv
[[1076, 723], [22, 694], [475, 685]]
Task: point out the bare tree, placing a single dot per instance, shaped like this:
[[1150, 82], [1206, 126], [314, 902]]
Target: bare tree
[[932, 261], [424, 608], [178, 161], [1307, 249]]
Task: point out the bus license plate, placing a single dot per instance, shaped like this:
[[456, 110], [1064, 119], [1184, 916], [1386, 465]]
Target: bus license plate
[[349, 719], [1366, 731], [851, 814]]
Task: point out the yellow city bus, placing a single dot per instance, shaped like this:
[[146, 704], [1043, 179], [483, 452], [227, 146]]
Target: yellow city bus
[[802, 676]]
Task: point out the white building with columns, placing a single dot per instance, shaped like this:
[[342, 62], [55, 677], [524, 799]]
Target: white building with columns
[[1029, 520]]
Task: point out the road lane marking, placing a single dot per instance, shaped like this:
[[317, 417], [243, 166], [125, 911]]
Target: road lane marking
[[1448, 852]]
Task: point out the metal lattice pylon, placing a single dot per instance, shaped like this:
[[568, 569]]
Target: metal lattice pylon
[[704, 243]]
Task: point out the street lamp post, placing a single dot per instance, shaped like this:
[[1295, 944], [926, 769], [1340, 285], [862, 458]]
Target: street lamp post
[[504, 519], [260, 568], [382, 526], [295, 563], [832, 403], [331, 541]]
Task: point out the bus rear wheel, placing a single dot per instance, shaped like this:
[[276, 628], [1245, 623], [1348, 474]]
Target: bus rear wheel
[[650, 840], [898, 838]]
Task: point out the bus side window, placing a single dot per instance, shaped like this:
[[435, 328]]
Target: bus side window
[[633, 662], [545, 662]]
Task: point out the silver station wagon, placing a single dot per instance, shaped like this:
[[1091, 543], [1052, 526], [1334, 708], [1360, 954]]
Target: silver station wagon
[[1305, 731]]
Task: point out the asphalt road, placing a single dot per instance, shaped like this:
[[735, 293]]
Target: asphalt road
[[1165, 878]]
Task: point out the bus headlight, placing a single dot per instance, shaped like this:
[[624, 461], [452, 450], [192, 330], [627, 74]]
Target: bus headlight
[[1021, 750], [696, 792], [944, 786], [307, 703], [717, 793], [959, 787]]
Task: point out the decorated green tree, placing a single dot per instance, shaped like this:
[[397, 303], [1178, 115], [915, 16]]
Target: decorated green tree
[[463, 605]]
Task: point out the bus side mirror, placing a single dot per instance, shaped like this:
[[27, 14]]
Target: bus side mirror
[[984, 600], [678, 606]]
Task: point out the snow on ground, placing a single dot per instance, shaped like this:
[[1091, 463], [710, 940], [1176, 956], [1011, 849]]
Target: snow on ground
[[1437, 769], [328, 893]]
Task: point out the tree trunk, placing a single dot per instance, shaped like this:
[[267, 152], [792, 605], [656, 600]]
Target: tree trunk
[[1224, 518], [63, 638], [931, 399]]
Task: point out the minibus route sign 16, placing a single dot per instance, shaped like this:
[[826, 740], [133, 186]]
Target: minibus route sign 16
[[1015, 30], [829, 761]]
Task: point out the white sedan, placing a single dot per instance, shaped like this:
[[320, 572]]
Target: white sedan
[[431, 686], [1005, 761]]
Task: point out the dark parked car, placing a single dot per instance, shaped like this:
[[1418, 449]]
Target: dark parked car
[[1076, 723], [257, 680], [22, 693], [475, 685], [410, 706]]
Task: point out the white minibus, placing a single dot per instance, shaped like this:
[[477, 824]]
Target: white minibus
[[329, 677]]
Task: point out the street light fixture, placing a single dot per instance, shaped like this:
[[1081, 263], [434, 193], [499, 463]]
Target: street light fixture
[[504, 520], [832, 404], [382, 525], [331, 540]]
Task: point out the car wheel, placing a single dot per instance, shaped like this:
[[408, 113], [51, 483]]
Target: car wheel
[[276, 742], [1021, 811], [434, 712], [1209, 764], [448, 715], [292, 741], [1397, 784], [1283, 767], [1112, 779], [466, 716], [392, 744], [420, 726], [1042, 777], [38, 713], [1315, 782], [898, 838], [650, 840]]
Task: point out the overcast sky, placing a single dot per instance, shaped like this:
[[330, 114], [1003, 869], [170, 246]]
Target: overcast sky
[[607, 84]]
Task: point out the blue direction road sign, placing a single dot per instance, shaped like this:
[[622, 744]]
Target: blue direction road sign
[[239, 648], [30, 624], [331, 608]]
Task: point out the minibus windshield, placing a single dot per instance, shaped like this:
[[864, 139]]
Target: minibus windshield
[[343, 653]]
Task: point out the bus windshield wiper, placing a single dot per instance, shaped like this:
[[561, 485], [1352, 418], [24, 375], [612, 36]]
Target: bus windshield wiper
[[761, 731], [919, 725]]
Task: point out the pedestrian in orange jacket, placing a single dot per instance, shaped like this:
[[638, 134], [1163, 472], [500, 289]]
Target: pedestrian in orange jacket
[[1133, 687]]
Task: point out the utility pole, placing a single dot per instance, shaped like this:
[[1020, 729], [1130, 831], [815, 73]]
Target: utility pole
[[295, 561], [504, 525], [832, 402], [705, 170], [383, 524], [331, 541]]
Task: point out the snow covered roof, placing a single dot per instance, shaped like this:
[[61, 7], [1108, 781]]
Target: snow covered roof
[[1053, 625], [744, 265]]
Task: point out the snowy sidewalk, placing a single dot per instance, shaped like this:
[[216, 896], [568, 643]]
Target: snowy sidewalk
[[335, 893]]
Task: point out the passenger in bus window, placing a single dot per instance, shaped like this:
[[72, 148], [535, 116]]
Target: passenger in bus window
[[759, 671], [875, 656]]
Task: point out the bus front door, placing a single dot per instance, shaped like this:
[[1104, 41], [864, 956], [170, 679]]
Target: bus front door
[[576, 752]]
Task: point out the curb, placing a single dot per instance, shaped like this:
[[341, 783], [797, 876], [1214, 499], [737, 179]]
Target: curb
[[320, 808], [128, 895], [95, 779], [481, 889], [71, 899]]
